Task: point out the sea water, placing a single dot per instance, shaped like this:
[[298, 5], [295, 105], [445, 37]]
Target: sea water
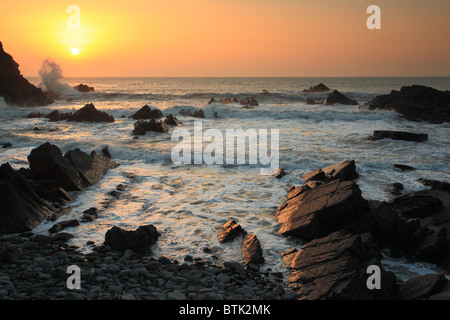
[[188, 204]]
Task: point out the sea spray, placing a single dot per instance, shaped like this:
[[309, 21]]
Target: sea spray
[[51, 76]]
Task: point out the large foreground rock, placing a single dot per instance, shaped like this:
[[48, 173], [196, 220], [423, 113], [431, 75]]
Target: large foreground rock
[[74, 171], [14, 88], [21, 209], [416, 103], [311, 213], [90, 114], [335, 268], [139, 240]]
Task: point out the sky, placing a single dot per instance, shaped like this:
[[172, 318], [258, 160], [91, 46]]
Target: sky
[[229, 38]]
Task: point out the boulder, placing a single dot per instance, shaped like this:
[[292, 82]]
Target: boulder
[[280, 173], [337, 97], [90, 114], [21, 209], [14, 88], [421, 287], [398, 135], [84, 88], [141, 127], [230, 231], [319, 211], [416, 103], [317, 88], [335, 268], [435, 184], [196, 114], [147, 113], [139, 240], [403, 167], [419, 204], [251, 250]]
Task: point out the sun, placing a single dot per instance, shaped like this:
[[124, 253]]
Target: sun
[[75, 51]]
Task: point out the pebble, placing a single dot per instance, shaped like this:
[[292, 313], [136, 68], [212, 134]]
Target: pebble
[[39, 272]]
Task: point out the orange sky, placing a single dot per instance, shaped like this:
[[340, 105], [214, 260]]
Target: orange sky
[[230, 37]]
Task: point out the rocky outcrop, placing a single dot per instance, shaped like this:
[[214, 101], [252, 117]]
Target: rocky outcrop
[[14, 88], [171, 120], [335, 268], [398, 135], [196, 114], [84, 88], [90, 114], [416, 103], [140, 240], [317, 88], [147, 113], [337, 97], [248, 102], [345, 170]]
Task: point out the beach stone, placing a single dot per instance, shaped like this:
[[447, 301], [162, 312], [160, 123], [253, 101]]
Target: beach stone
[[139, 240]]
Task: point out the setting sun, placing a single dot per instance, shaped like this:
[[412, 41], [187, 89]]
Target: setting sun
[[75, 51]]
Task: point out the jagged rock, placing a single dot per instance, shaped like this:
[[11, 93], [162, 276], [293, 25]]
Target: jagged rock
[[418, 204], [73, 172], [398, 135], [251, 250], [317, 212], [147, 113], [434, 184], [139, 240], [249, 102], [90, 114], [337, 97], [345, 170], [335, 268], [280, 173], [230, 231], [318, 88], [58, 116], [14, 88], [416, 103]]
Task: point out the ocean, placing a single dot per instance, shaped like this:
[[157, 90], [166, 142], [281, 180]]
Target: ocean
[[189, 203]]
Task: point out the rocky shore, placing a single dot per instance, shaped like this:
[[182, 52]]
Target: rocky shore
[[34, 267]]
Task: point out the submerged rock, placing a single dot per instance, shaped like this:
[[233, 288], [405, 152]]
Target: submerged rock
[[398, 135]]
